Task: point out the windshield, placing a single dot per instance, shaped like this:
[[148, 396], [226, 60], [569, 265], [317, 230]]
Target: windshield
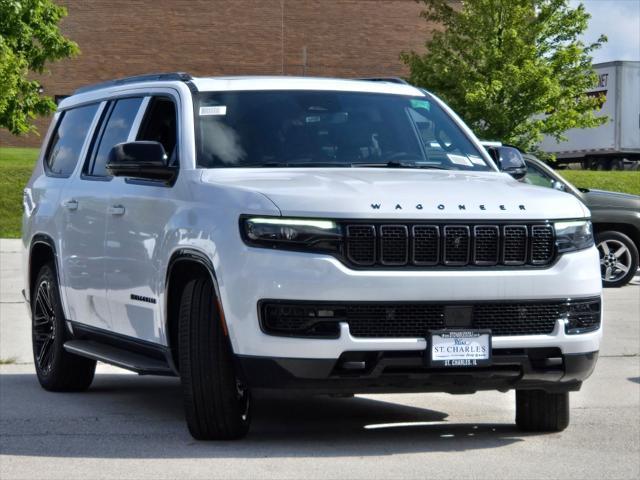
[[329, 129]]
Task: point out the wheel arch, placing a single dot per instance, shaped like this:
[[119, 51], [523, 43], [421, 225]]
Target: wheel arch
[[629, 230], [41, 251], [184, 265]]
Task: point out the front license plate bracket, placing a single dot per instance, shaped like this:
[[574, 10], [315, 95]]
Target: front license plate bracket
[[458, 348]]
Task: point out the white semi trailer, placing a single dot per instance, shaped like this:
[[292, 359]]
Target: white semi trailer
[[615, 144]]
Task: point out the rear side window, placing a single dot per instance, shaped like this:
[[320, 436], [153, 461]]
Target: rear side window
[[116, 130], [66, 145], [160, 125]]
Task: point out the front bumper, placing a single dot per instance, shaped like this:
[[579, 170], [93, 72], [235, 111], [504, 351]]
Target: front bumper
[[396, 372], [310, 277]]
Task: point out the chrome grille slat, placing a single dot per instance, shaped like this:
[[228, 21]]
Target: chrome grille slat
[[452, 245]]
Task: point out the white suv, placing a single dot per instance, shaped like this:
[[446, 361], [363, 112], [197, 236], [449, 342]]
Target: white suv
[[324, 235]]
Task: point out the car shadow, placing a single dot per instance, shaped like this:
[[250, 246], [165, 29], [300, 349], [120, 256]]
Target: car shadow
[[127, 416]]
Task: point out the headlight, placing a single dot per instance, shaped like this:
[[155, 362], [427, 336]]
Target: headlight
[[292, 233], [574, 235]]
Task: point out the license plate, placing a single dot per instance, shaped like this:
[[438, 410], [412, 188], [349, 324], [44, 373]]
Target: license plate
[[459, 348]]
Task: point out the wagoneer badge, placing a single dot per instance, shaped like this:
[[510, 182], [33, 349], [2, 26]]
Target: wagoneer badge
[[441, 206]]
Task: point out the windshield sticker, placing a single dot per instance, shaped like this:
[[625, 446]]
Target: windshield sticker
[[216, 110], [477, 160], [460, 160], [420, 104]]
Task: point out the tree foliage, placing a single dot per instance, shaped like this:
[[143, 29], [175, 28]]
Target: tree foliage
[[29, 38], [512, 69]]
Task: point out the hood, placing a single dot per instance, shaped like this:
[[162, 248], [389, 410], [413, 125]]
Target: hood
[[399, 193], [613, 200]]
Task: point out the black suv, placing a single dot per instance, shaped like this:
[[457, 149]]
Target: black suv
[[615, 217]]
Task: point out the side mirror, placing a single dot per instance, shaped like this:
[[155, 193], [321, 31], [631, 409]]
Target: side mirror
[[509, 160], [145, 160], [559, 186]]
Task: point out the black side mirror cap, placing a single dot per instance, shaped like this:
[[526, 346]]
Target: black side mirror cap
[[142, 159], [509, 160]]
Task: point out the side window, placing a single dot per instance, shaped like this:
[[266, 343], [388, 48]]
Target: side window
[[160, 125], [116, 130], [65, 145], [535, 176]]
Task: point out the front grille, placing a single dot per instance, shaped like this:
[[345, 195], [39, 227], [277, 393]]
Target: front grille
[[517, 318], [456, 245], [417, 245], [542, 243], [426, 245], [361, 247], [487, 244], [411, 320], [393, 320], [514, 244], [394, 244]]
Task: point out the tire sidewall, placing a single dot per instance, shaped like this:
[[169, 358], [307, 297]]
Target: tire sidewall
[[47, 273]]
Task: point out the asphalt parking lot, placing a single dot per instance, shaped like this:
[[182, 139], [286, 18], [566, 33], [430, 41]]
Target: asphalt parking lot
[[127, 426]]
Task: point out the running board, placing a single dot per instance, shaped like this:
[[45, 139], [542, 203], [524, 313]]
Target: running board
[[119, 357]]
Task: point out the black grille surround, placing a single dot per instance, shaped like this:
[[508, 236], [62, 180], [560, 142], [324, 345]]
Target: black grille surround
[[393, 245], [415, 319]]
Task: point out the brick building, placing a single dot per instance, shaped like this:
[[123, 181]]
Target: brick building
[[344, 38]]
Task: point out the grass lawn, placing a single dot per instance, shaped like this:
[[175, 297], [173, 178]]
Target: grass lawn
[[16, 165], [615, 181]]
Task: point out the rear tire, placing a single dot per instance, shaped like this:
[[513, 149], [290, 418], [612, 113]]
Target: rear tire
[[540, 411], [57, 370], [217, 405]]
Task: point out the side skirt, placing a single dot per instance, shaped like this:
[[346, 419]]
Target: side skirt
[[144, 358]]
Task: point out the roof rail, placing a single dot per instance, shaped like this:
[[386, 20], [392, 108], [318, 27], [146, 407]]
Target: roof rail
[[385, 79], [180, 76]]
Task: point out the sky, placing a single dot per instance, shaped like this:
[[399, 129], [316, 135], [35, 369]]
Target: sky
[[619, 20]]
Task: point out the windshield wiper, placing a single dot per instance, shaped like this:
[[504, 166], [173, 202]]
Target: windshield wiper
[[293, 164], [396, 164]]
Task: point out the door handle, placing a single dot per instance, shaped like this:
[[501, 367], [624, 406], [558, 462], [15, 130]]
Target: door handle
[[71, 204], [116, 210]]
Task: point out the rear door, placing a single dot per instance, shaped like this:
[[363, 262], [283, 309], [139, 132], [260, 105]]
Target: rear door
[[87, 203], [81, 227], [139, 215]]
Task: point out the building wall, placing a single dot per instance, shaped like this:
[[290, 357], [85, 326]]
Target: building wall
[[343, 38]]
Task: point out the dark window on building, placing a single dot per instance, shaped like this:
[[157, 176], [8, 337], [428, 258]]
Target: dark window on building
[[159, 125], [66, 144], [116, 130]]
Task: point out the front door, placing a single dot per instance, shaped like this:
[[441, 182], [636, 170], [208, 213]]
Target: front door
[[138, 217]]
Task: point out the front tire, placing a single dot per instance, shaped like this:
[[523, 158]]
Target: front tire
[[217, 405], [618, 258], [540, 411], [57, 370]]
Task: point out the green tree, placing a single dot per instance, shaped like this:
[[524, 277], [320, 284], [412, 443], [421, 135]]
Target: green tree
[[29, 38], [512, 69]]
